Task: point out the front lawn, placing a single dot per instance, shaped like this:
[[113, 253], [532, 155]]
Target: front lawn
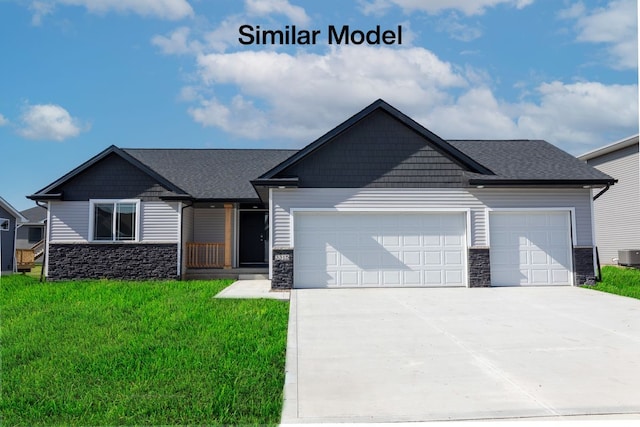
[[145, 353], [621, 281]]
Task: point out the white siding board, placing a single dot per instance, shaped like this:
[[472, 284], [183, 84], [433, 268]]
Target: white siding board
[[617, 212], [160, 222], [477, 200], [69, 222]]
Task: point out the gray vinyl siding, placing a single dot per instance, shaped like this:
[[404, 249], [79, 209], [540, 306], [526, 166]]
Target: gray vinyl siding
[[617, 212], [22, 236], [7, 242], [159, 222], [378, 152], [69, 222], [208, 225], [478, 201]]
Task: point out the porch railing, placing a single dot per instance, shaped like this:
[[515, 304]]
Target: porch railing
[[205, 255]]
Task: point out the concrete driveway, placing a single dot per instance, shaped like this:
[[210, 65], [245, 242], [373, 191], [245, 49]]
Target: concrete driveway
[[388, 355]]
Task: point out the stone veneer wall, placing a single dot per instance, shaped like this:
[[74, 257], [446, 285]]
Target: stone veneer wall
[[479, 268], [583, 265], [282, 274], [113, 261]]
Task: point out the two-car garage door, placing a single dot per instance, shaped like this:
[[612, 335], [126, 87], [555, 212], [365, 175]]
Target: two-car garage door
[[355, 249]]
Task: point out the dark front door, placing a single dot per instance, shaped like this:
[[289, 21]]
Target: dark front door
[[254, 238]]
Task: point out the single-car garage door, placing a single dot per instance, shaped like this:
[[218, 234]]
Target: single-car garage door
[[530, 248], [345, 249]]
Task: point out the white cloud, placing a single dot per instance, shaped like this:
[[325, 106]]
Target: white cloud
[[306, 91], [164, 9], [3, 120], [40, 9], [577, 113], [299, 97], [457, 30], [296, 14], [468, 7], [615, 25], [49, 122], [177, 42]]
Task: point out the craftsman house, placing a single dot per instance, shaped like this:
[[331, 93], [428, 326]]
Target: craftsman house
[[377, 201]]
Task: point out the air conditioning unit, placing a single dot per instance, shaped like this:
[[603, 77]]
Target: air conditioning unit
[[629, 257]]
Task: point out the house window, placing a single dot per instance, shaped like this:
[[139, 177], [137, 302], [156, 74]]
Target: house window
[[115, 220], [35, 234]]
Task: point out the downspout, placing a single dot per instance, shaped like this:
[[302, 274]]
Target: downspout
[[45, 258], [604, 190], [15, 242], [181, 270]]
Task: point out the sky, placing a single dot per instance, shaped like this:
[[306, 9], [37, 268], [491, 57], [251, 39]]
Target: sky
[[77, 76]]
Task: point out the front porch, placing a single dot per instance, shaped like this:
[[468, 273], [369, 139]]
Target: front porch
[[227, 240]]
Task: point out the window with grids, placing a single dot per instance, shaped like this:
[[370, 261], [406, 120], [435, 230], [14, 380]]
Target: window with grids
[[115, 220]]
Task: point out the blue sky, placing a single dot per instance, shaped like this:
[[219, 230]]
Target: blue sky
[[80, 75]]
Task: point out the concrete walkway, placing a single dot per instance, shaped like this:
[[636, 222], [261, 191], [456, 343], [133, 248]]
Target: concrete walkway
[[252, 289], [393, 355]]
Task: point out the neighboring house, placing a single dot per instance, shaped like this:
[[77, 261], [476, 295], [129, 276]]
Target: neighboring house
[[617, 212], [10, 219], [31, 234], [377, 201]]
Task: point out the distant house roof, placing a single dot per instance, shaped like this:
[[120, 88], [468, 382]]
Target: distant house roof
[[35, 215], [610, 148], [7, 207]]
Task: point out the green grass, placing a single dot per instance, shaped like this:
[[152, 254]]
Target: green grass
[[151, 353], [620, 281]]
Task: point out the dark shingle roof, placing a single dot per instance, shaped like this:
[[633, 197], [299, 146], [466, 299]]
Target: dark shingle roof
[[532, 160], [35, 214], [212, 173]]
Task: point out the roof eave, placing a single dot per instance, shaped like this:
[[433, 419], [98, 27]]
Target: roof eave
[[45, 196], [610, 148], [541, 182]]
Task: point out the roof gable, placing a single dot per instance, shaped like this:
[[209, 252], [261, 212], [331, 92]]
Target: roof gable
[[106, 175], [11, 210], [379, 147]]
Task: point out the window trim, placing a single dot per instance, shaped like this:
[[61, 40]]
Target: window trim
[[114, 202]]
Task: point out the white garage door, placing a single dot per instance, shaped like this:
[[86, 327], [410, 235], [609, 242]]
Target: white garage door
[[339, 249], [530, 248]]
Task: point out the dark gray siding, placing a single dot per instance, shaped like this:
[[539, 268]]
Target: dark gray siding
[[379, 151], [7, 242], [111, 178]]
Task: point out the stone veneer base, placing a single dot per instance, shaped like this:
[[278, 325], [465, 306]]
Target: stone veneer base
[[132, 261]]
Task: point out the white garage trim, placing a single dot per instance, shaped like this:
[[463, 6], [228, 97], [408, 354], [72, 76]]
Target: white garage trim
[[409, 258], [548, 257], [466, 211], [572, 213]]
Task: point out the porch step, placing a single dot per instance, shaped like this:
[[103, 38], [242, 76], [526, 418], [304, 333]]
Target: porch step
[[234, 273], [253, 277]]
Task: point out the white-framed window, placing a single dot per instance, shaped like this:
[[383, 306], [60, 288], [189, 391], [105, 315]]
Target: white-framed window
[[4, 224], [114, 220]]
